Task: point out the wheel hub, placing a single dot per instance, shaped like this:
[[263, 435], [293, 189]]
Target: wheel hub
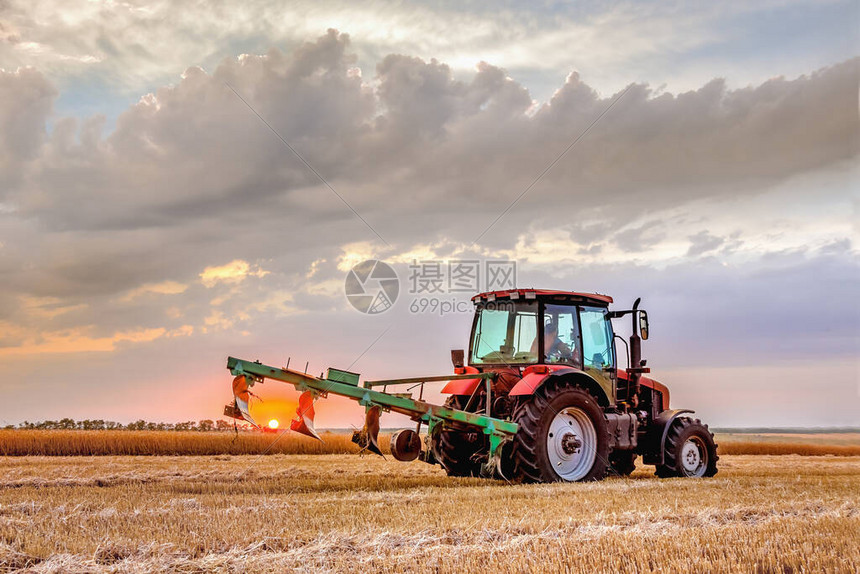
[[693, 457], [571, 444]]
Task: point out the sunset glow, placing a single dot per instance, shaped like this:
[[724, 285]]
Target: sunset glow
[[273, 424]]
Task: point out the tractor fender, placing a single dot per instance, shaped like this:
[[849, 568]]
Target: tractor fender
[[535, 376], [462, 386], [661, 426]]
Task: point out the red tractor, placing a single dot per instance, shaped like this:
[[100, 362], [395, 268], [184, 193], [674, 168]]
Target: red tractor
[[540, 398], [552, 356]]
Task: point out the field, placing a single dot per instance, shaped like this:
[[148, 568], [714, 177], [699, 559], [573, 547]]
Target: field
[[339, 513], [123, 442]]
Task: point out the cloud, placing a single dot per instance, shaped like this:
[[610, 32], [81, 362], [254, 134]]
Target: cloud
[[8, 33], [190, 169], [48, 307], [418, 139], [128, 48], [191, 174], [163, 288], [234, 272], [217, 320], [704, 242], [26, 97], [354, 253], [638, 239], [80, 341]]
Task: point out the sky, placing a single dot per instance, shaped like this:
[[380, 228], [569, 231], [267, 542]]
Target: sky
[[180, 182]]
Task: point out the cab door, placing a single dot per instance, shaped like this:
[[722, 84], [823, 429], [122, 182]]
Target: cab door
[[597, 348]]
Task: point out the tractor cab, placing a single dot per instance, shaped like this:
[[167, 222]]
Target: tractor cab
[[523, 327]]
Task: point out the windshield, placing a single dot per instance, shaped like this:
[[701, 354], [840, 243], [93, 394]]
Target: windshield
[[506, 332], [561, 335]]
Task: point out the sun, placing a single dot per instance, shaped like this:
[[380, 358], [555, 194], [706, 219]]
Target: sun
[[273, 424]]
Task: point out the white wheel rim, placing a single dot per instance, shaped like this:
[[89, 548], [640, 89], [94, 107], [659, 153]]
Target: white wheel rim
[[693, 457], [571, 444]]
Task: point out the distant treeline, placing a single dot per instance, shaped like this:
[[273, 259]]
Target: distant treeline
[[206, 425]]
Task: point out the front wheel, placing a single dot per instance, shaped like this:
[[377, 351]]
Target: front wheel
[[562, 436], [690, 450]]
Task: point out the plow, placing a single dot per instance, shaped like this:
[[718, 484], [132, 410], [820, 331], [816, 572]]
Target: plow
[[406, 444], [539, 397]]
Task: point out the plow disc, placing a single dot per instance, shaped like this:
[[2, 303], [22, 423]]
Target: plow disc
[[368, 437], [241, 398], [304, 421]]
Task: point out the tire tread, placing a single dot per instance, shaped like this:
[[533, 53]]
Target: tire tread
[[670, 467], [527, 414]]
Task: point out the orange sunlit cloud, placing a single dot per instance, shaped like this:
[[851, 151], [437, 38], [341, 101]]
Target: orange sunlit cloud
[[78, 341], [233, 272], [47, 307]]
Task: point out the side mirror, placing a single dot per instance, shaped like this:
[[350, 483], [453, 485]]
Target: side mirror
[[458, 357], [643, 325]]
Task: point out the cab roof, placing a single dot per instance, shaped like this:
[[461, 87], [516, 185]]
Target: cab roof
[[545, 295]]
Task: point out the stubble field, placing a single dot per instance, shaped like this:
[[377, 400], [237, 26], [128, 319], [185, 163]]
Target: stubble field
[[158, 443], [342, 513]]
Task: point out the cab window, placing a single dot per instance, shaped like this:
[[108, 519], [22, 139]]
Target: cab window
[[561, 335], [504, 333], [596, 338]]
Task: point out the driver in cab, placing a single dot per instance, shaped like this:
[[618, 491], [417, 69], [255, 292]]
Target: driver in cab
[[555, 350]]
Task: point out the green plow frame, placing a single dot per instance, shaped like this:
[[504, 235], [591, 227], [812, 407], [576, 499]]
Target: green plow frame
[[345, 384]]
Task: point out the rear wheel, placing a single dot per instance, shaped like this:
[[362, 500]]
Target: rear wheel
[[690, 450], [562, 436], [456, 450]]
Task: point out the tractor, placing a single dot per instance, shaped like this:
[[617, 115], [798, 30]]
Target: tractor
[[539, 397]]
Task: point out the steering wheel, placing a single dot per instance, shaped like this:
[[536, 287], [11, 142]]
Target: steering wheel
[[604, 359], [558, 356]]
